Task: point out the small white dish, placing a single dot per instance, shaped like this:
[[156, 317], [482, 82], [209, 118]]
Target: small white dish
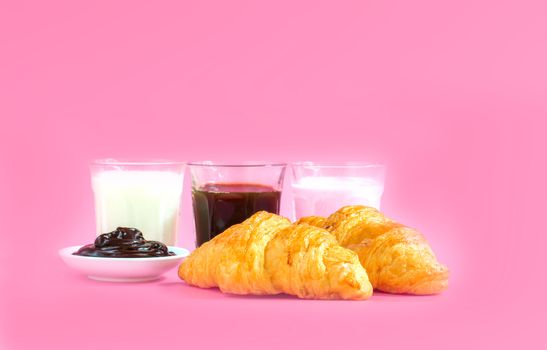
[[122, 269]]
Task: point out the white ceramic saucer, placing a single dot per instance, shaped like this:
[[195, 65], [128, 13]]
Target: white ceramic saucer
[[122, 269]]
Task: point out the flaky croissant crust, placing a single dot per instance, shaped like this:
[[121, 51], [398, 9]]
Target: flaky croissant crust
[[397, 258], [266, 254]]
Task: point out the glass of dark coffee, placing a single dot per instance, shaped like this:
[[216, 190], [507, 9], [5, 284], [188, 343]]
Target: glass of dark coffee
[[227, 194]]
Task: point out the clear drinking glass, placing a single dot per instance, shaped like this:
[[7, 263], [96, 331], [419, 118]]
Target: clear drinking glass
[[322, 188], [227, 194], [144, 195]]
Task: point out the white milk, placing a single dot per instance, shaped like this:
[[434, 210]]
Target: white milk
[[146, 200], [322, 196]]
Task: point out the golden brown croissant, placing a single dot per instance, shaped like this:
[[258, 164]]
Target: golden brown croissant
[[266, 254], [317, 221], [398, 259]]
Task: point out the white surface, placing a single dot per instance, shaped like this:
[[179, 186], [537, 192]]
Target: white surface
[[146, 200], [322, 196], [122, 269]]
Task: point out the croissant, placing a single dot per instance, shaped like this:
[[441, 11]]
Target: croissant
[[266, 254], [397, 258], [317, 221]]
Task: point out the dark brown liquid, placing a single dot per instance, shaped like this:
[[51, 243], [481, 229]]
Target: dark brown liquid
[[124, 242], [221, 205]]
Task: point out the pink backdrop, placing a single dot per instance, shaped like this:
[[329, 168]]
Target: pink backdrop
[[450, 94]]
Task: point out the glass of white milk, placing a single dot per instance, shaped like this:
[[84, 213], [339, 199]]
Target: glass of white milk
[[143, 195], [322, 188]]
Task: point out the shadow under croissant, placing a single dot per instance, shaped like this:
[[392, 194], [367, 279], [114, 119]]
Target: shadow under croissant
[[215, 293], [384, 297]]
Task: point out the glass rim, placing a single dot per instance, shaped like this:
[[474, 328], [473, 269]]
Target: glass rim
[[348, 164], [114, 162], [246, 164]]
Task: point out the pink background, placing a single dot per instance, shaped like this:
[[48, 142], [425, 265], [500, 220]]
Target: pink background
[[450, 94]]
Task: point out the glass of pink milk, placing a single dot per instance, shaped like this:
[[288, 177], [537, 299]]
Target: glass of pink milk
[[322, 188]]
